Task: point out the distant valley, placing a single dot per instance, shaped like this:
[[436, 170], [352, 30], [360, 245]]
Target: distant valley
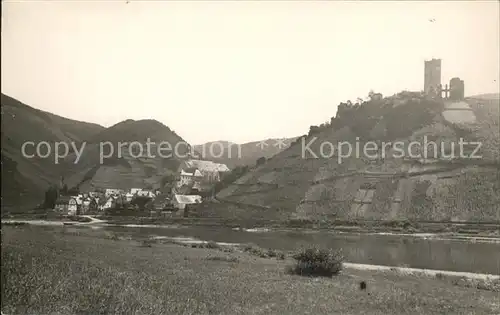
[[233, 154]]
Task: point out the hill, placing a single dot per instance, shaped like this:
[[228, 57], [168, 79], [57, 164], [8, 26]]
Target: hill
[[233, 154], [107, 164], [23, 179], [296, 184], [488, 96]]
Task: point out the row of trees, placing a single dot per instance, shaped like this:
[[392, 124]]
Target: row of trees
[[344, 109]]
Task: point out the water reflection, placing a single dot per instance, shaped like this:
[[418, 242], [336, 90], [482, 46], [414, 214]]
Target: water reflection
[[389, 250]]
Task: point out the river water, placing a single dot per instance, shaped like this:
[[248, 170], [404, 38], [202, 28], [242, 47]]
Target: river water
[[426, 251]]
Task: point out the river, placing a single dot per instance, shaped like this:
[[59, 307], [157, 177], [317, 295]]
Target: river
[[423, 251], [426, 251]]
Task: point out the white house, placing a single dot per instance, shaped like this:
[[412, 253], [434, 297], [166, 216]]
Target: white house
[[135, 190], [66, 205], [129, 196], [180, 201], [146, 193], [211, 172], [110, 203], [72, 206], [112, 191], [79, 199], [189, 177], [88, 204]]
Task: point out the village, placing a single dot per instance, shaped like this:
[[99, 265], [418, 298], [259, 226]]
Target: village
[[193, 184]]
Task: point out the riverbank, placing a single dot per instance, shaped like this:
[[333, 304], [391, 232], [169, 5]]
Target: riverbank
[[477, 229], [46, 272]]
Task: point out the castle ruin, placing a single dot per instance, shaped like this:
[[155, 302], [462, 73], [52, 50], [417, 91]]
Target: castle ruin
[[433, 86], [432, 76]]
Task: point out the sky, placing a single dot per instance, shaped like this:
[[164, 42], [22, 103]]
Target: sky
[[236, 70]]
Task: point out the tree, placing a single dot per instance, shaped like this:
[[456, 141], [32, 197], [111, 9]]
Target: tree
[[185, 189], [73, 191], [140, 202], [51, 196], [64, 190], [313, 130], [260, 161], [167, 179]]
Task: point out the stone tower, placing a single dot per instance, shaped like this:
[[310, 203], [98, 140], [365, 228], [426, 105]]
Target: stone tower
[[432, 76]]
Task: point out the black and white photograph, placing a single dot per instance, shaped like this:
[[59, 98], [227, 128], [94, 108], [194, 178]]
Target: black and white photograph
[[171, 157]]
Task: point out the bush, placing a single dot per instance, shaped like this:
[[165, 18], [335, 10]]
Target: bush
[[256, 250], [15, 223], [112, 236], [300, 223], [84, 219], [210, 245], [317, 262], [223, 258], [280, 256], [147, 243], [263, 253], [260, 161], [72, 217]]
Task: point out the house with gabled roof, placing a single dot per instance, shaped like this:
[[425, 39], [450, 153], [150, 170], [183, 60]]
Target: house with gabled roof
[[180, 201], [129, 196], [145, 193], [133, 191], [66, 205], [89, 204], [107, 203], [204, 171], [113, 192], [189, 176], [161, 202]]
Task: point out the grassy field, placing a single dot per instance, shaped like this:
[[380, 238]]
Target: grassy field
[[47, 271]]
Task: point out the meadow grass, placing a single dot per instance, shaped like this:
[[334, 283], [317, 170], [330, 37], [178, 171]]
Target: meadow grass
[[45, 272]]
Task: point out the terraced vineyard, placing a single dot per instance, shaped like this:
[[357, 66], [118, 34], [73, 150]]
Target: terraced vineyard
[[296, 185]]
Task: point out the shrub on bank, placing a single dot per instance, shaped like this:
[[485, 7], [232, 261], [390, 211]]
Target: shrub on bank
[[14, 223], [262, 252], [317, 262], [300, 223], [147, 243], [223, 258], [210, 245], [255, 250]]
